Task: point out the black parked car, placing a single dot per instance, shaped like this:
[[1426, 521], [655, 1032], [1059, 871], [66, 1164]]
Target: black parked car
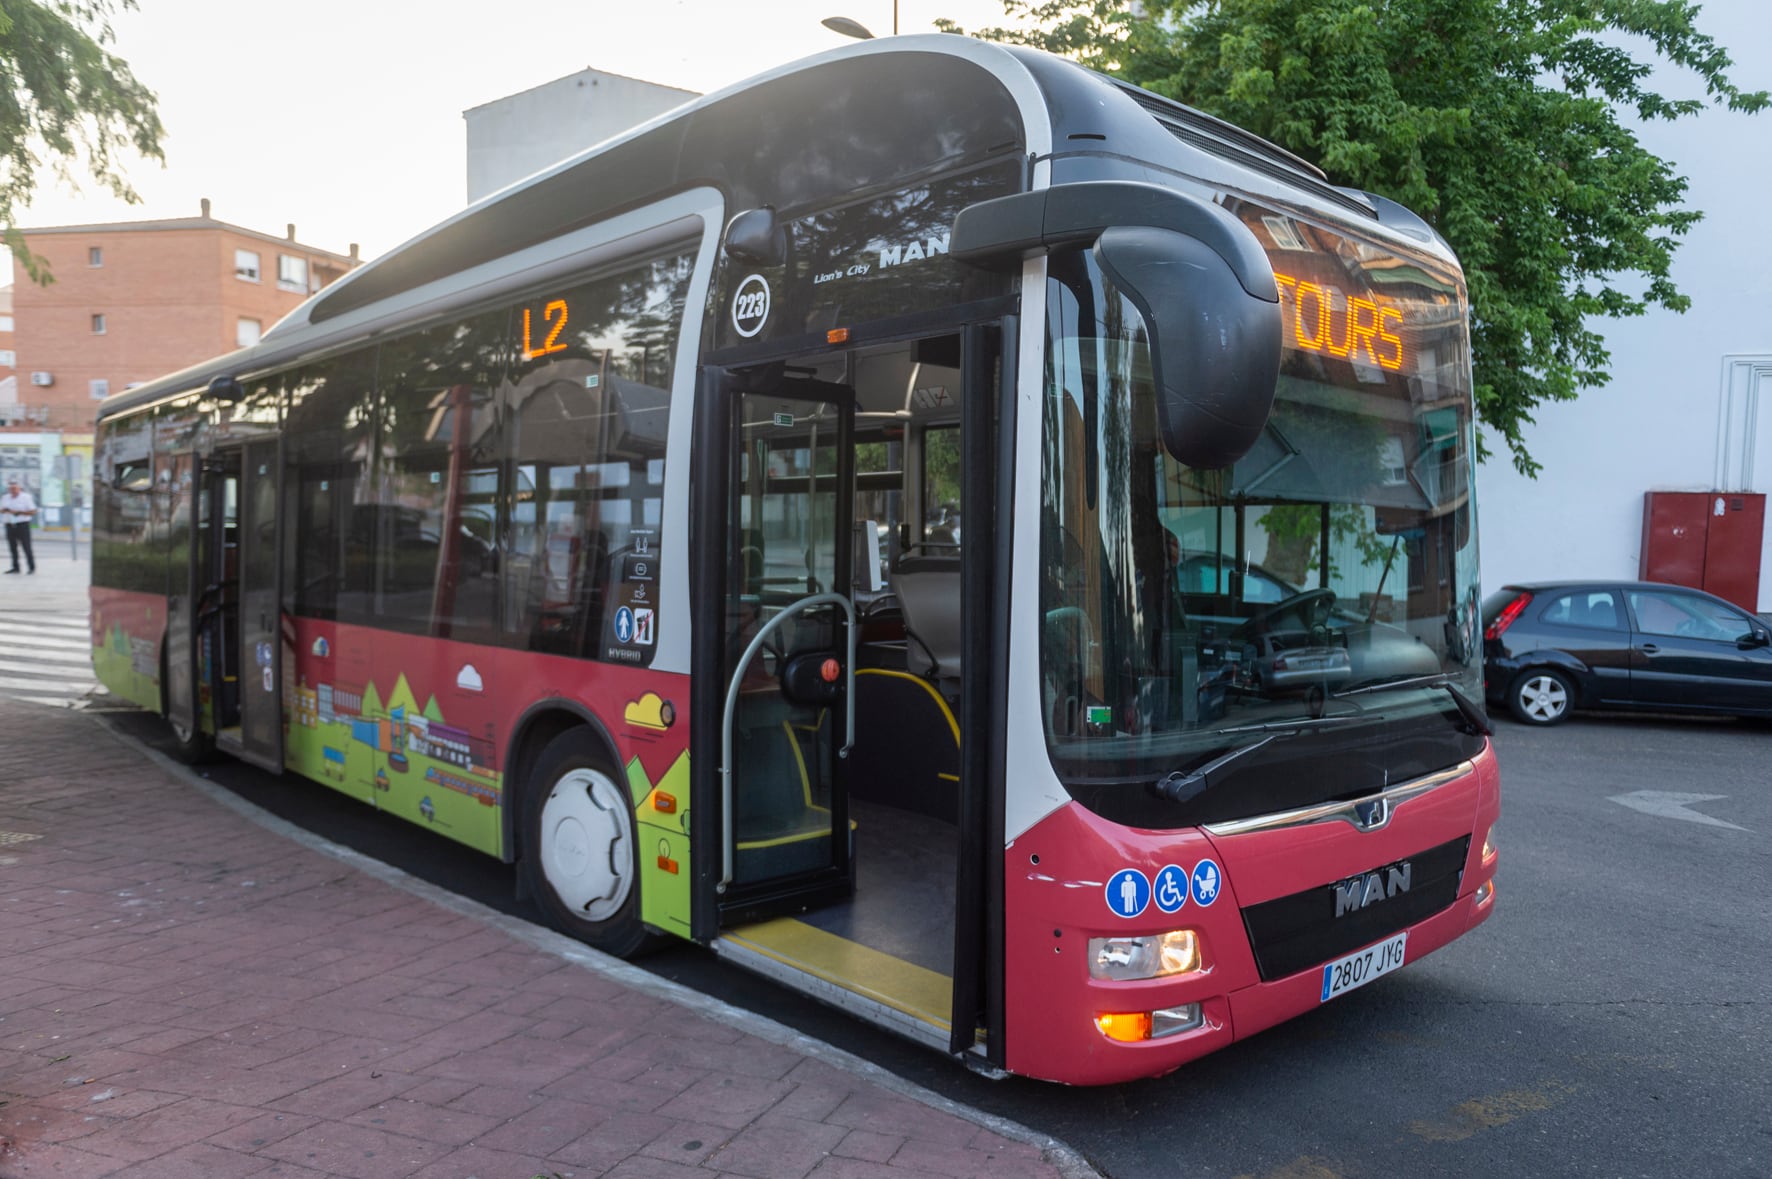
[[1551, 647]]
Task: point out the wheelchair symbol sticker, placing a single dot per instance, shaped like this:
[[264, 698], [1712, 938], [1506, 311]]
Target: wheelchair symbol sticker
[[1128, 892], [1171, 889], [1206, 881]]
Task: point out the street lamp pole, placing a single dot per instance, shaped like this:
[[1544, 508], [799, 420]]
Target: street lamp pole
[[854, 28]]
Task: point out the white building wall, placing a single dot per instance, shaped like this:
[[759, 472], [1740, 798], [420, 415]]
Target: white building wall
[[513, 137], [1662, 424]]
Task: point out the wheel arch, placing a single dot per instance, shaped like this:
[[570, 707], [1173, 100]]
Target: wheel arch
[[540, 723], [1577, 671]]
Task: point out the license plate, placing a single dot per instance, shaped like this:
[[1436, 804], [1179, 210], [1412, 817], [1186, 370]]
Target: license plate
[[1362, 966]]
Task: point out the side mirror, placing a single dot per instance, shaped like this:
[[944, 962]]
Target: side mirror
[[1759, 636], [1215, 348], [1194, 271], [226, 390], [756, 237]]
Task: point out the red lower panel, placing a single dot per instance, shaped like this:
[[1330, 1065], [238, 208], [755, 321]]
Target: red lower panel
[[1075, 876], [422, 726]]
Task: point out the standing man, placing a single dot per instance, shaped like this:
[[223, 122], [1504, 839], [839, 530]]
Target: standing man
[[17, 509]]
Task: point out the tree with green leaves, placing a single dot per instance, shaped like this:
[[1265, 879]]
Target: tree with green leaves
[[1505, 123], [66, 103]]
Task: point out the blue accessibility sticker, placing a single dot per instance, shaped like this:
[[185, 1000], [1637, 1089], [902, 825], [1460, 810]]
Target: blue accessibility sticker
[[1170, 888], [1206, 882], [1128, 892]]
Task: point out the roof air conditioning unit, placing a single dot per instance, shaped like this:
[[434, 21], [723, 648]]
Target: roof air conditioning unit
[[42, 378]]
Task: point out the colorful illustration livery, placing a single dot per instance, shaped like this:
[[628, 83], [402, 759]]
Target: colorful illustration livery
[[981, 544]]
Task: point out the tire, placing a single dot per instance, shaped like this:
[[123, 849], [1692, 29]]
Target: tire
[[581, 848], [1541, 696]]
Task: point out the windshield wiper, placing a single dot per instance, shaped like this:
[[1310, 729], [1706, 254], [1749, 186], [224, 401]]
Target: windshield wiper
[[1185, 786], [1474, 719]]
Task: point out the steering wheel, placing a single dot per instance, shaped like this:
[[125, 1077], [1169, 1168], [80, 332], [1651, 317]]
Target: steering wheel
[[1312, 607]]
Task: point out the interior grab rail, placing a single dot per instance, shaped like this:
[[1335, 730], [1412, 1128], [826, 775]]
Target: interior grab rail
[[744, 661]]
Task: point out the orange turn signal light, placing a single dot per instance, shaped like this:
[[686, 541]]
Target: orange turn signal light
[[664, 804], [1129, 1027], [667, 864], [837, 336]]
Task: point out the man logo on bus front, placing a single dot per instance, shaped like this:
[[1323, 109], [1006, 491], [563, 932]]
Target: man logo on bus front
[[1372, 814]]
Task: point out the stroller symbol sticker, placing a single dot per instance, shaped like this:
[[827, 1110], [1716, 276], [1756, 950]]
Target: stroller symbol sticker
[[1206, 881]]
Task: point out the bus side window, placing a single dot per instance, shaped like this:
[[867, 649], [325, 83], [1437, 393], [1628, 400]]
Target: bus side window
[[585, 424], [328, 443], [439, 442], [941, 490]]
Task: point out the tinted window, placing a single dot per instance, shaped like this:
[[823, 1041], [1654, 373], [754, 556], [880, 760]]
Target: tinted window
[[436, 490], [124, 552], [177, 431], [1597, 609], [329, 567], [1686, 616], [587, 412]]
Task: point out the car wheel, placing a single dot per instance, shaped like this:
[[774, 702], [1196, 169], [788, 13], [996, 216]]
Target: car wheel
[[581, 853], [1541, 696]]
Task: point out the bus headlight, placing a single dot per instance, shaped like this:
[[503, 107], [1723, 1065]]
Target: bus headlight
[[1488, 845], [1122, 959]]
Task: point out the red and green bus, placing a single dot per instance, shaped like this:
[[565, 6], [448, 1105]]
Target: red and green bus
[[981, 544]]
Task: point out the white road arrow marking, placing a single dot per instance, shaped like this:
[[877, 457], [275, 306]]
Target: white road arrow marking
[[1667, 805]]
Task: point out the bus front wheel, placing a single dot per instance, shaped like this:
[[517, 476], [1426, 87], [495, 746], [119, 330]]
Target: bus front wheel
[[580, 851]]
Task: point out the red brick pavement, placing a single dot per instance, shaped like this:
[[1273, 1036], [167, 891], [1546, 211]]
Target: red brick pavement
[[185, 991]]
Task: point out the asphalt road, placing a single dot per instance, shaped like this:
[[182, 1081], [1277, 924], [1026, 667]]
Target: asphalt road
[[1613, 1018]]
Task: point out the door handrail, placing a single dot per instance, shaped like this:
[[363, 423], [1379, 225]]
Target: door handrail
[[744, 661]]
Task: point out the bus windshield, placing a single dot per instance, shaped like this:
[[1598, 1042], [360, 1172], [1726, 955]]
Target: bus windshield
[[1319, 595]]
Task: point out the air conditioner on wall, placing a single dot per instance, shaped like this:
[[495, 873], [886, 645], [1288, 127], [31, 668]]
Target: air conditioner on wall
[[41, 378]]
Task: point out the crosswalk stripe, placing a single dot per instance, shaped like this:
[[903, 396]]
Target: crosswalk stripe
[[57, 665], [44, 685], [61, 701], [72, 626], [45, 641]]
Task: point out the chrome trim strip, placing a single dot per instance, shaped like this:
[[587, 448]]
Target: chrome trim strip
[[1348, 811]]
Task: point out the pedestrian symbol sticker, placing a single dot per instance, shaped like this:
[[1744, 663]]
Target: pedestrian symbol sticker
[[624, 625], [1128, 892], [1171, 889], [1206, 881]]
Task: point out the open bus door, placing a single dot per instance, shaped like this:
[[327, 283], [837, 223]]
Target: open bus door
[[785, 646], [238, 628], [864, 879]]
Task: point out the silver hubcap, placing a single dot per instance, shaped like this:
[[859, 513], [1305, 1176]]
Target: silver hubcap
[[1543, 698], [587, 842]]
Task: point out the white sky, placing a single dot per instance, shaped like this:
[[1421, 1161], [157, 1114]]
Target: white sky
[[344, 116]]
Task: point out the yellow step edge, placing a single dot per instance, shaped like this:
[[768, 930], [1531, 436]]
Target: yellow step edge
[[905, 987]]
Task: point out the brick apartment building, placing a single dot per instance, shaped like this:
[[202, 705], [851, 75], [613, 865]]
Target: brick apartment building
[[136, 300], [131, 301]]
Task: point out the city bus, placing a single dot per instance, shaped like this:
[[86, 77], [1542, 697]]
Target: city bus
[[985, 546]]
